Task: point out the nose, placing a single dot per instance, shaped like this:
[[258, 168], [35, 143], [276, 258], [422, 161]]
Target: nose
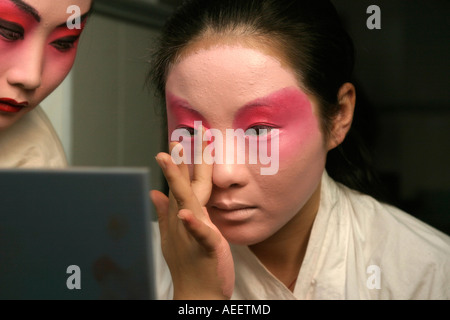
[[27, 66], [230, 175]]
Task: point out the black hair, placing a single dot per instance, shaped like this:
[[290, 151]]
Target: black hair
[[312, 40]]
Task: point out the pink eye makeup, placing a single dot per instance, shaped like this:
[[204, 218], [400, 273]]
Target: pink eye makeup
[[288, 110], [257, 120], [181, 115], [17, 18], [10, 31], [21, 17], [278, 109], [63, 31], [64, 39]]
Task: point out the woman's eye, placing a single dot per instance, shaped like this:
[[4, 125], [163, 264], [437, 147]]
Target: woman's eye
[[190, 131], [258, 130], [64, 44], [10, 35]]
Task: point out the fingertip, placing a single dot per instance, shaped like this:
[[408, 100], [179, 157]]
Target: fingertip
[[185, 215], [160, 201], [189, 220], [197, 228], [173, 145], [160, 159], [153, 194]]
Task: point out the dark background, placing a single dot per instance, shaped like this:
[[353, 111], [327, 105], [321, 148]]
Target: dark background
[[402, 73]]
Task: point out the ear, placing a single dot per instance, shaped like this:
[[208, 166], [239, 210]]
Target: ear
[[343, 121]]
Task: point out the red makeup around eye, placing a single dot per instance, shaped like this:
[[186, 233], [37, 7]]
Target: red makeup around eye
[[288, 110], [11, 13], [279, 108], [181, 114], [64, 31]]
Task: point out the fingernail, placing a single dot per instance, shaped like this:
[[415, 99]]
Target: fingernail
[[161, 163]]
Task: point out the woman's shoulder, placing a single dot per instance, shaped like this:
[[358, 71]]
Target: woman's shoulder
[[31, 142], [374, 215], [411, 254]]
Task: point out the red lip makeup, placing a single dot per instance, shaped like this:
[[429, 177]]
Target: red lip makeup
[[11, 105]]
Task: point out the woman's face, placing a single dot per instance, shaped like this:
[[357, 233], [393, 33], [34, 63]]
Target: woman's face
[[38, 44], [235, 87]]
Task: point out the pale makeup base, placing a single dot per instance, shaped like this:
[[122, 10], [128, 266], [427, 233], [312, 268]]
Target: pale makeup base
[[233, 86], [31, 67]]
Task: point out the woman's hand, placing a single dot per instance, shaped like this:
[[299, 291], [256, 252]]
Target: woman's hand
[[198, 256]]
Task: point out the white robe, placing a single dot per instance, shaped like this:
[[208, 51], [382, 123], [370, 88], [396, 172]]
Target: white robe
[[31, 143], [359, 248]]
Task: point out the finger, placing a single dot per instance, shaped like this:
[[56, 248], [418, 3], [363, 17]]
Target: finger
[[161, 203], [202, 176], [179, 186], [176, 147], [173, 206], [201, 232]]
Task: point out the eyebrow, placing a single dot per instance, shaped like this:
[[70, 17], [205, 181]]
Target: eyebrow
[[260, 102], [184, 105], [27, 9], [267, 101]]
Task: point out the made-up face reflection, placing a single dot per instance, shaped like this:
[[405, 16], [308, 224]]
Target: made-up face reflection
[[235, 87], [37, 51]]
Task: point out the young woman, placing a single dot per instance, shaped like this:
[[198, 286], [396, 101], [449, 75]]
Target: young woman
[[279, 71], [38, 45]]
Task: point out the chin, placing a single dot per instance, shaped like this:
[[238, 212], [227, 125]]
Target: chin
[[238, 236], [7, 121]]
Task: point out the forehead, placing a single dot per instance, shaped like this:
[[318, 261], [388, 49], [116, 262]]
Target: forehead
[[50, 10], [48, 4], [227, 76]]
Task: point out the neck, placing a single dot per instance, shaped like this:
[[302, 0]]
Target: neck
[[283, 253]]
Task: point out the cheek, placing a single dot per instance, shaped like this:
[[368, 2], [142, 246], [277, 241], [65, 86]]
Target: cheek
[[302, 138], [55, 69], [2, 65], [59, 64], [9, 54], [302, 159]]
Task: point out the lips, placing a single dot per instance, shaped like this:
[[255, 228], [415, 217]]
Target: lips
[[232, 212], [231, 206], [11, 105]]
